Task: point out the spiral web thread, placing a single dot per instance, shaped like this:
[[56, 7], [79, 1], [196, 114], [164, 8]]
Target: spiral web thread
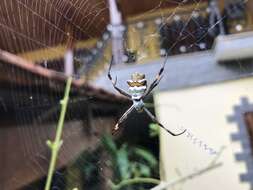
[[27, 32]]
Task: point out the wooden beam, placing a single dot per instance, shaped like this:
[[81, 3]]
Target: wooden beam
[[31, 67], [36, 69], [57, 52]]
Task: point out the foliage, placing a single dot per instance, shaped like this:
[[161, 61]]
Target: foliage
[[154, 130], [129, 162]]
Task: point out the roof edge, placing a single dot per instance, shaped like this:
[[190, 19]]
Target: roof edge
[[31, 67]]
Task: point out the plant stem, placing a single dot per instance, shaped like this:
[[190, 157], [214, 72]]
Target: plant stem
[[134, 181], [55, 146]]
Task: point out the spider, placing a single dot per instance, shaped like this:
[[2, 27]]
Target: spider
[[138, 91]]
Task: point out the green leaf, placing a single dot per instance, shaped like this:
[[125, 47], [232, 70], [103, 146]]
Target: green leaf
[[144, 170], [147, 156], [123, 163], [134, 169], [110, 145], [154, 130]]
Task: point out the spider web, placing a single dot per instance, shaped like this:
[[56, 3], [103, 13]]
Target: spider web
[[31, 25]]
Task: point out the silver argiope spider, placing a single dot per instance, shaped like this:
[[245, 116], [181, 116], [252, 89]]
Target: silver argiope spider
[[138, 91]]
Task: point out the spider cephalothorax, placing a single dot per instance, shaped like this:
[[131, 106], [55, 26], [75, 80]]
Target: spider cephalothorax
[[138, 91], [137, 79]]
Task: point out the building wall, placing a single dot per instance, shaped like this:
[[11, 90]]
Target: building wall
[[212, 115]]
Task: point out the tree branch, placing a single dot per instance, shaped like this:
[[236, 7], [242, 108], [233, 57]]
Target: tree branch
[[56, 145], [137, 180]]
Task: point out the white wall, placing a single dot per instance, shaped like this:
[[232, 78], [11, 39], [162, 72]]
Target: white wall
[[203, 111]]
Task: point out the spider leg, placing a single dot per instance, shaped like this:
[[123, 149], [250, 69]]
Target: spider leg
[[152, 86], [157, 122], [115, 82], [123, 118], [157, 79]]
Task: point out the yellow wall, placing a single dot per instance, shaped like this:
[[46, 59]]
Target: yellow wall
[[203, 111]]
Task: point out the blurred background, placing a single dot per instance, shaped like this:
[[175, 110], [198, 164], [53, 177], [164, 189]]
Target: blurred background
[[206, 89]]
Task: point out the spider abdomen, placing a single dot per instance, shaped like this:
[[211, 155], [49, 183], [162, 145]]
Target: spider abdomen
[[137, 91]]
